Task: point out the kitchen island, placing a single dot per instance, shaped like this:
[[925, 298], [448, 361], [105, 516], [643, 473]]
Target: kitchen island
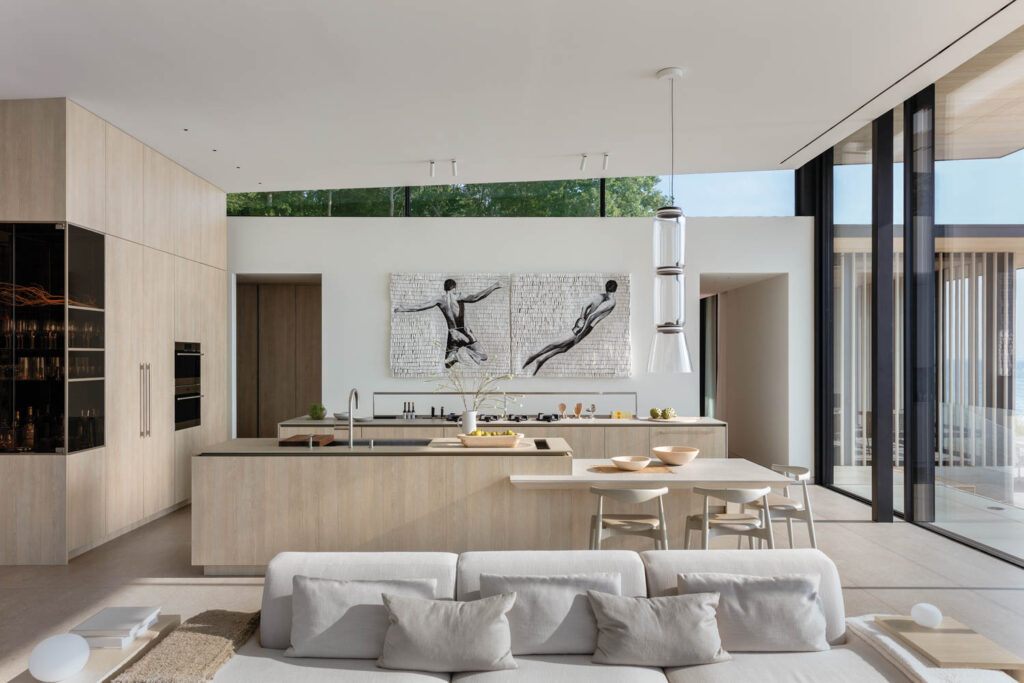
[[252, 498]]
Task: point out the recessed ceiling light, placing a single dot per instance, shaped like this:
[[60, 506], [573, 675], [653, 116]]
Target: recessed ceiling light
[[214, 150], [185, 129], [238, 167]]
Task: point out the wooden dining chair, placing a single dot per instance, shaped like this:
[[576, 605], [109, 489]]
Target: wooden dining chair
[[788, 507], [716, 520], [604, 526]]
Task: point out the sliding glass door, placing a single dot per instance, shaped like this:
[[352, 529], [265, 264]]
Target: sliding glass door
[[956, 443]]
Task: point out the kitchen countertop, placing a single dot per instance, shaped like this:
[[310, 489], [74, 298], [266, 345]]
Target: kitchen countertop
[[306, 421], [711, 472], [444, 446]]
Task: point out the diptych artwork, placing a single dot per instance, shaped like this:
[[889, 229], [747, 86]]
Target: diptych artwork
[[538, 324], [570, 325]]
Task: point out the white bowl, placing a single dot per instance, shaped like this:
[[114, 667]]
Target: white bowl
[[631, 462], [675, 455]]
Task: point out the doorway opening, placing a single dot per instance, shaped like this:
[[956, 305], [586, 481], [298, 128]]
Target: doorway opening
[[745, 361], [277, 350]]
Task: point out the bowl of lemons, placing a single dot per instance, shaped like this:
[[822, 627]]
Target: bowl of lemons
[[484, 439]]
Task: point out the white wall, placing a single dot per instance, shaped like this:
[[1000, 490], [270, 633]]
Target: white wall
[[753, 370], [355, 256]]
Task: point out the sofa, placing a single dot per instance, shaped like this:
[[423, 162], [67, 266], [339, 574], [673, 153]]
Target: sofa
[[649, 574]]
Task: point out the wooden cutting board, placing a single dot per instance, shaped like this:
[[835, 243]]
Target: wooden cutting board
[[650, 469], [303, 440]]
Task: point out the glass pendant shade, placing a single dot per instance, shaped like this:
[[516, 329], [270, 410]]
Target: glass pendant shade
[[669, 238], [669, 354], [669, 296]]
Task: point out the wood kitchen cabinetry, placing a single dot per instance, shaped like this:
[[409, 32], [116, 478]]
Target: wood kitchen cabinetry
[[165, 281]]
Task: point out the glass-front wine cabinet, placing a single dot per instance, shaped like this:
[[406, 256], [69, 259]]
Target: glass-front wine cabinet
[[51, 338]]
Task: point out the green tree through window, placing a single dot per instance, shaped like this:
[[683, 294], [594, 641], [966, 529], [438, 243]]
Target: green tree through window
[[552, 198]]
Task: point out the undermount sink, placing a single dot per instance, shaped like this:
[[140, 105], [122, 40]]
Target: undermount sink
[[411, 443]]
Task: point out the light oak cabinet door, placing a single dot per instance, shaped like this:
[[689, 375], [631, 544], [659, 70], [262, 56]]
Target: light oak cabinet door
[[189, 300], [85, 168], [213, 335], [159, 199], [188, 209], [157, 340], [32, 151], [186, 444], [126, 160], [214, 229], [710, 440], [627, 441], [86, 482], [124, 455]]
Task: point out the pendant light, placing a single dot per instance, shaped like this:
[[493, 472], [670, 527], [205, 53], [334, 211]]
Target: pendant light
[[668, 353]]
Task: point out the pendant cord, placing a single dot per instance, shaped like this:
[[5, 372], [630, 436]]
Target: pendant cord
[[672, 145]]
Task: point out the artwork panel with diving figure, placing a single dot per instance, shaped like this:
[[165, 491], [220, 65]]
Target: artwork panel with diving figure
[[571, 325], [440, 319]]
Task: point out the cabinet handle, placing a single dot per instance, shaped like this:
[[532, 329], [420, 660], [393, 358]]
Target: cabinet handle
[[148, 399], [142, 400]]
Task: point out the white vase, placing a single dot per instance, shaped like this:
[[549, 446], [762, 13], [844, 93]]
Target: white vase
[[468, 422]]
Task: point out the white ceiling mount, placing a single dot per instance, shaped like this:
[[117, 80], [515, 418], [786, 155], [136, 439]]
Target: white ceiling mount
[[455, 167], [433, 170], [672, 73], [583, 162]]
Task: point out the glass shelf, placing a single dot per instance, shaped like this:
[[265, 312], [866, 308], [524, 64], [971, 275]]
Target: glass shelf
[[51, 338]]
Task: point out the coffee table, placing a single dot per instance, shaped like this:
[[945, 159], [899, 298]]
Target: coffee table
[[953, 646], [106, 663]]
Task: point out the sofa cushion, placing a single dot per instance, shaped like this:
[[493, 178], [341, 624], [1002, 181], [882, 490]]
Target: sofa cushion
[[442, 635], [552, 614], [855, 662], [255, 664], [764, 613], [664, 566], [674, 630], [626, 563], [564, 669], [276, 617], [345, 619]]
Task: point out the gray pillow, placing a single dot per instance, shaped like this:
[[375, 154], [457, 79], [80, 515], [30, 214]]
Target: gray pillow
[[345, 619], [447, 636], [764, 613], [677, 630], [552, 614]]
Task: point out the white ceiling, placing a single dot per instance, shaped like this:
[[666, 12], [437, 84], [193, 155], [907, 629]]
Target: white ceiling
[[361, 93]]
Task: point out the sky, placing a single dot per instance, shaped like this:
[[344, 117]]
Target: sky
[[970, 191]]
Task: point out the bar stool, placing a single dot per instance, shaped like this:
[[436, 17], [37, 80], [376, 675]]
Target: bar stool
[[718, 521], [604, 526], [788, 507]]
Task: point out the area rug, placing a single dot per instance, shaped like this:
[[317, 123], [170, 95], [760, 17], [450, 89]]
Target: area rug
[[194, 652]]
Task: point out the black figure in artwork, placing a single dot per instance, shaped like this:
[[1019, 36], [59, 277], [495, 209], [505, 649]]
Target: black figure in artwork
[[453, 307], [594, 311]]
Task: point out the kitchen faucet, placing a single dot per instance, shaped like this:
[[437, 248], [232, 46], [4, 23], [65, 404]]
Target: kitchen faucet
[[351, 430]]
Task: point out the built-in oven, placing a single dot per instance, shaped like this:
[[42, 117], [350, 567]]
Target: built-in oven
[[188, 394], [187, 407], [187, 363]]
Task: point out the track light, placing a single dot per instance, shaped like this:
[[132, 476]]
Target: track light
[[583, 162], [433, 169], [455, 167], [604, 166]]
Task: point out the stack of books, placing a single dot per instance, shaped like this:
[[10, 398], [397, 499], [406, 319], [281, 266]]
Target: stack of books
[[116, 627]]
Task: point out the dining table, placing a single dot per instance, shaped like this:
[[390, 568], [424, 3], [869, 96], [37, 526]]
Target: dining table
[[705, 472]]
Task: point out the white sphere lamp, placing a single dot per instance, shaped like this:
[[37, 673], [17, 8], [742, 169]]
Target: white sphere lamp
[[58, 658], [926, 615]]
